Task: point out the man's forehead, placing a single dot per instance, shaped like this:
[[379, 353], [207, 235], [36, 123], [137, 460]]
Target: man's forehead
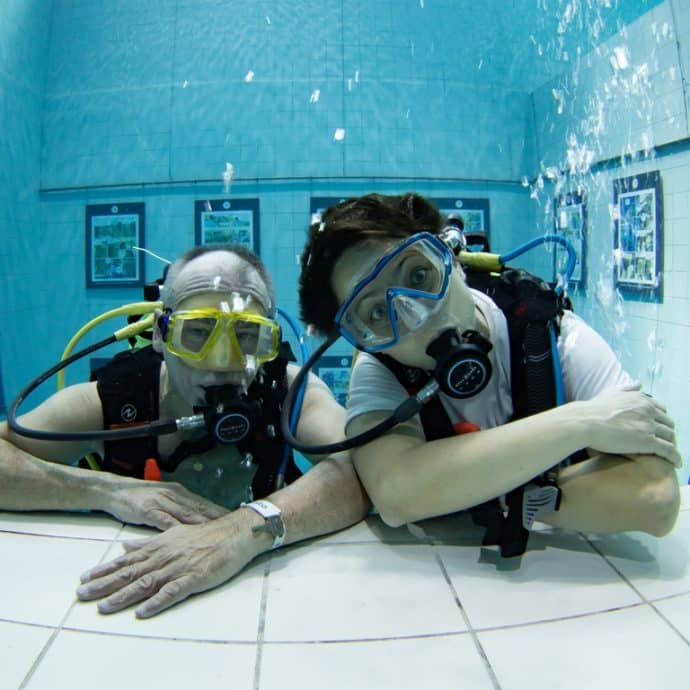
[[227, 266], [220, 271]]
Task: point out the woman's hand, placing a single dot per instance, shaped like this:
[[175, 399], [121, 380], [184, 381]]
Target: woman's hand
[[626, 421]]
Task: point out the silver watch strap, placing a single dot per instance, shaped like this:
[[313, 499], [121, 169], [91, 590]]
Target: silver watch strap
[[274, 520]]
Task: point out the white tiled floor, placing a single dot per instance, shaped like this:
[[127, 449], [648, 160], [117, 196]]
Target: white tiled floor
[[368, 608]]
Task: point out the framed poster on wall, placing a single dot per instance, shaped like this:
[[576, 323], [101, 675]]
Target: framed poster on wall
[[114, 234], [570, 221], [318, 204], [474, 214], [334, 371], [3, 406], [227, 221], [638, 237]]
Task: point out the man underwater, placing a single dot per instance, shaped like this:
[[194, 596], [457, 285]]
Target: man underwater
[[214, 343]]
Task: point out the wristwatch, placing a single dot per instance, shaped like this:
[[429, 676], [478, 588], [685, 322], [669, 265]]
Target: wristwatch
[[274, 520]]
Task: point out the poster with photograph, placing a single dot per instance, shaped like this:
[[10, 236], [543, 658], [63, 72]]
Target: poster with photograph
[[318, 204], [334, 371], [114, 235], [570, 221], [638, 236], [227, 221], [3, 406], [474, 214]]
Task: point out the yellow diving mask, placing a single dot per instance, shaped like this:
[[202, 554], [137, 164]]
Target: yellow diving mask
[[194, 333]]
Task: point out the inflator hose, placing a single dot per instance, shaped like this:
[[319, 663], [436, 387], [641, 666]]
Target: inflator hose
[[402, 413], [154, 428]]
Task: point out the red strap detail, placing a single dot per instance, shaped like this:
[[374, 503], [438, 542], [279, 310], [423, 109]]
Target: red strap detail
[[151, 470], [465, 427]]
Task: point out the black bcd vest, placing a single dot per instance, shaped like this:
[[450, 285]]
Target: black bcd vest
[[529, 304], [128, 386]]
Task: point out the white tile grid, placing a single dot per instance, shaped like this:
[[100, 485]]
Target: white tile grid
[[568, 618], [100, 526]]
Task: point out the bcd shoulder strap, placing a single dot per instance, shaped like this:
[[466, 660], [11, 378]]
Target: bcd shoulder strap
[[128, 386], [267, 444], [531, 307]]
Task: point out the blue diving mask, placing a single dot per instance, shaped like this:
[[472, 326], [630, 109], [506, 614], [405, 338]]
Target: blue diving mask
[[399, 295]]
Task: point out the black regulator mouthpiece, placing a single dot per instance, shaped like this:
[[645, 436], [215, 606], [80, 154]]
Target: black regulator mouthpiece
[[228, 414], [463, 368]]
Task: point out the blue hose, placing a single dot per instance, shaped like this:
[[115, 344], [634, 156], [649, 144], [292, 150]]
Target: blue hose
[[569, 268], [556, 239], [297, 408]]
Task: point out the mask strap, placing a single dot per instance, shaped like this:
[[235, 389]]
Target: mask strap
[[163, 321]]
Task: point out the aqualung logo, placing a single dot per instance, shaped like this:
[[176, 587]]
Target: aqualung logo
[[128, 413], [232, 428], [467, 376]]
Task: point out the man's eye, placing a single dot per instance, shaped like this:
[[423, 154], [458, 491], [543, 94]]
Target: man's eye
[[247, 333], [199, 331]]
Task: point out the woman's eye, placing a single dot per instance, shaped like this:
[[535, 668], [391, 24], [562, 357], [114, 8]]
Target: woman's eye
[[418, 276], [377, 314]]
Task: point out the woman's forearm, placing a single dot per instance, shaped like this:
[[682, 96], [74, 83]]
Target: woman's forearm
[[409, 479]]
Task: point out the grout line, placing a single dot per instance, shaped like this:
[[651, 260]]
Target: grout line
[[667, 621], [645, 600], [262, 623], [358, 640], [59, 536], [470, 629], [59, 628]]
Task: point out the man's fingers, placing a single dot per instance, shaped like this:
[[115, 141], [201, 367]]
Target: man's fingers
[[142, 588], [170, 593], [161, 519], [134, 544], [126, 559]]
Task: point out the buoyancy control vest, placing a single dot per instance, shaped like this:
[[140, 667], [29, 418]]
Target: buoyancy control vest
[[531, 307], [129, 389]]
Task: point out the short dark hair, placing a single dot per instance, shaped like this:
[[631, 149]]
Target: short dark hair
[[369, 217]]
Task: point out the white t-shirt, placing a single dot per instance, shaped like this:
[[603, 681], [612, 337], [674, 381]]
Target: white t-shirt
[[588, 365]]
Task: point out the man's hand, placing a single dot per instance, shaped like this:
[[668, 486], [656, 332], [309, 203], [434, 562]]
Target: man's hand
[[165, 569], [158, 504]]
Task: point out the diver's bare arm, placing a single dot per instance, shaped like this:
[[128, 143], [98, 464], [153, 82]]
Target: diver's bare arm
[[30, 479], [166, 569], [614, 493], [29, 483], [409, 479], [75, 408], [330, 496]]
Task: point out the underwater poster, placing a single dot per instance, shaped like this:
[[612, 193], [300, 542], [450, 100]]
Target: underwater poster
[[3, 407], [638, 236], [114, 233], [227, 221]]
